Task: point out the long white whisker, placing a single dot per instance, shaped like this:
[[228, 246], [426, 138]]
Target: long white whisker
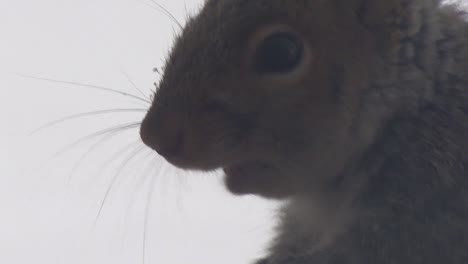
[[162, 9], [134, 86], [86, 114], [96, 134], [91, 149], [119, 153], [149, 198], [130, 157], [145, 173], [102, 88]]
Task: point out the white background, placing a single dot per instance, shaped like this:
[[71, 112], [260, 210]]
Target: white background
[[49, 203]]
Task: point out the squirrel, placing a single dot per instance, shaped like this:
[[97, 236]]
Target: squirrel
[[354, 112]]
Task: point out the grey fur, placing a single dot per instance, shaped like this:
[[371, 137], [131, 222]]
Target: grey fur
[[382, 178]]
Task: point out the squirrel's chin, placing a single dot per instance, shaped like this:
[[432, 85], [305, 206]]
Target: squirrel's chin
[[253, 178]]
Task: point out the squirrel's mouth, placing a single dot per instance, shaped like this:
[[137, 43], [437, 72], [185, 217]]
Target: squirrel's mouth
[[247, 177]]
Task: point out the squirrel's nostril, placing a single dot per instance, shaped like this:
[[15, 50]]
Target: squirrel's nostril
[[165, 136]]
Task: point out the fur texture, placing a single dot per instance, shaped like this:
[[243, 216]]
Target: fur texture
[[367, 139]]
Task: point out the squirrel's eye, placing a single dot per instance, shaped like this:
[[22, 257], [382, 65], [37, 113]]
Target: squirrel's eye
[[280, 52]]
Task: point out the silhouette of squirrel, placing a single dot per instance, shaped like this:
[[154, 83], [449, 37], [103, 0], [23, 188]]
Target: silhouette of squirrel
[[354, 111]]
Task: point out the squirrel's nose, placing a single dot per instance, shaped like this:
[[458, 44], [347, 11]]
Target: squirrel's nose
[[164, 135]]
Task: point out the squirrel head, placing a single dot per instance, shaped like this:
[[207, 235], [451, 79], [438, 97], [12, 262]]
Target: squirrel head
[[271, 91]]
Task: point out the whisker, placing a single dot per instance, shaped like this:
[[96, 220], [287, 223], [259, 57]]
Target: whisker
[[86, 114], [140, 181], [102, 88], [121, 151], [93, 147], [149, 198], [147, 171], [162, 9], [151, 165], [117, 154], [134, 86], [96, 134], [130, 157]]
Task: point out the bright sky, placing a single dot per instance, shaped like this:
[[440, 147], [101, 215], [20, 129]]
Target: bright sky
[[49, 203]]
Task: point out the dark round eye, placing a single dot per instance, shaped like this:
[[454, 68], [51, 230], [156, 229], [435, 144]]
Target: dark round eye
[[278, 53]]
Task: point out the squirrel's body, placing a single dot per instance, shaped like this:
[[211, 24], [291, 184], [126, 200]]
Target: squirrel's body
[[366, 134]]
